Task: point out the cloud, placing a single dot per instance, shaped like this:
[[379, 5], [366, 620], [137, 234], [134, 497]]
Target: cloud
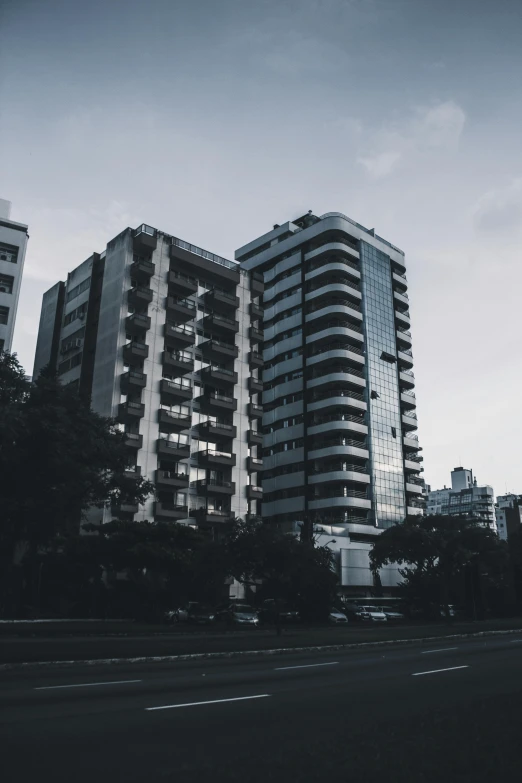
[[428, 129], [500, 211]]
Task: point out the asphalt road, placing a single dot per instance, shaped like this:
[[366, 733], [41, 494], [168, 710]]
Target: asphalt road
[[447, 712]]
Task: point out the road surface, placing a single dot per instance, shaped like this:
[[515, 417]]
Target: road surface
[[447, 712]]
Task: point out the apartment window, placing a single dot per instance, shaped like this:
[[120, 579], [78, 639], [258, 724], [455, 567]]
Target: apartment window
[[9, 253], [63, 367], [4, 315], [79, 312], [6, 284], [77, 290]]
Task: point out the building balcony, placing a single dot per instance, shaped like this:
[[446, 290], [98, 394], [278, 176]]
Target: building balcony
[[413, 489], [408, 399], [329, 311], [336, 398], [411, 442], [130, 411], [254, 464], [255, 335], [167, 512], [340, 502], [336, 376], [133, 440], [142, 269], [257, 284], [400, 280], [410, 464], [218, 375], [211, 516], [344, 448], [405, 359], [180, 309], [406, 380], [172, 449], [172, 421], [218, 350], [213, 401], [178, 363], [254, 411], [413, 511], [254, 493], [255, 386], [137, 323], [403, 339], [145, 239], [402, 318], [135, 352], [216, 322], [341, 423], [212, 458], [256, 312], [327, 475], [333, 286], [254, 438], [210, 430], [255, 359], [401, 297], [124, 509], [409, 421], [182, 284], [211, 487], [334, 352], [132, 380], [140, 296], [170, 479], [221, 301], [179, 336], [175, 391]]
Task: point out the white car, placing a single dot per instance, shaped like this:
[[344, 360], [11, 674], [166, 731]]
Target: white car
[[372, 613], [337, 618], [392, 615]]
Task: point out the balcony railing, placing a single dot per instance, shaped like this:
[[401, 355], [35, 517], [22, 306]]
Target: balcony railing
[[177, 385], [408, 392], [336, 303], [339, 467], [337, 369], [333, 260], [182, 329], [325, 444], [324, 348], [214, 453], [335, 393], [205, 254], [184, 278], [411, 436], [337, 417], [179, 300], [408, 372], [342, 493], [407, 351]]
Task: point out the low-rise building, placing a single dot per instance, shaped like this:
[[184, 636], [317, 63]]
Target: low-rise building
[[508, 512], [464, 498], [13, 242]]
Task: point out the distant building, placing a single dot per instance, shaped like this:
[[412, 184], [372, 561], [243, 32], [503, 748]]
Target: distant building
[[508, 512], [13, 241], [465, 498]]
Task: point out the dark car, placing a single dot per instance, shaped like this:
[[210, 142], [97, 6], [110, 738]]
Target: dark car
[[201, 615], [270, 607]]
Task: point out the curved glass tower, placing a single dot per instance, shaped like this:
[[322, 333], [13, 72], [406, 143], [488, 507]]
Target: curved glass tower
[[339, 419]]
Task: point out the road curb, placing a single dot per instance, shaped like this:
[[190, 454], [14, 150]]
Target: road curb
[[244, 653]]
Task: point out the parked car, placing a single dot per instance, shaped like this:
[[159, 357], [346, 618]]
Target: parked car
[[373, 614], [392, 615], [201, 615], [179, 615], [337, 618], [270, 607], [239, 614]]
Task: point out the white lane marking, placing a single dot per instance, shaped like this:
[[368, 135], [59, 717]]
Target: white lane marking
[[199, 703], [305, 666], [84, 685], [441, 649], [436, 671]]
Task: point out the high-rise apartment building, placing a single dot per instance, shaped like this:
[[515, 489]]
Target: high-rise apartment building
[[339, 410], [464, 498], [13, 242], [162, 335]]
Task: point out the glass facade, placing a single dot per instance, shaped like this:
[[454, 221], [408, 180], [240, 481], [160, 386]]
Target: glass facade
[[384, 411]]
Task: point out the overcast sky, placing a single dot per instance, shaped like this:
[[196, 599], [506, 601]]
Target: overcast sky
[[214, 119]]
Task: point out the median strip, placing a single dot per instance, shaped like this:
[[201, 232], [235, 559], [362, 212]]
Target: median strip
[[200, 703]]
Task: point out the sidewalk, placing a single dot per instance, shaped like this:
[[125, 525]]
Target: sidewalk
[[17, 649]]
